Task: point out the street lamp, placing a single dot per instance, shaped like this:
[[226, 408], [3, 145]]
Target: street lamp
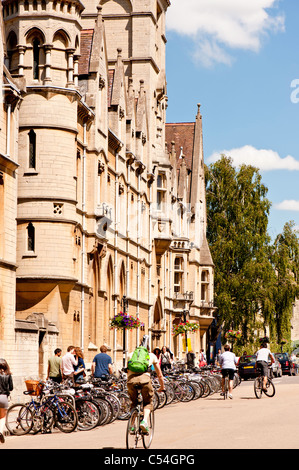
[[184, 314], [188, 297], [124, 304]]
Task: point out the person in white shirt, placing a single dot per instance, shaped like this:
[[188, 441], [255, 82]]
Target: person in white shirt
[[228, 363], [263, 356], [68, 362]]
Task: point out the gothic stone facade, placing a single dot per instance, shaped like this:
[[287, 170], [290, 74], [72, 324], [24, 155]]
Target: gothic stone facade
[[100, 199]]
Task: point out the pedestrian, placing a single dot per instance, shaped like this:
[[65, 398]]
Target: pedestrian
[[6, 386], [228, 363], [68, 364], [242, 358], [143, 380], [157, 352], [218, 356], [165, 359], [54, 367], [202, 359], [79, 373], [101, 366]]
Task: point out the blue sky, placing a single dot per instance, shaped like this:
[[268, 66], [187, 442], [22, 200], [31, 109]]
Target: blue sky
[[240, 60]]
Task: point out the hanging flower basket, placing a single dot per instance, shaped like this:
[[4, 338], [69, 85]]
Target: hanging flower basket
[[122, 320], [231, 334], [283, 341], [184, 327], [265, 339]]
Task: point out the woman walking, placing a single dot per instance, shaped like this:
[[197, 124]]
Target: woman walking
[[6, 386]]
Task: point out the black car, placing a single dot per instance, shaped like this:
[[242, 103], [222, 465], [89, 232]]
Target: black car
[[287, 366], [246, 367]]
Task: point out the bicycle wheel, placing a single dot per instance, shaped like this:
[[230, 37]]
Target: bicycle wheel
[[125, 405], [170, 393], [19, 419], [206, 388], [133, 436], [147, 438], [225, 394], [43, 419], [258, 387], [156, 400], [162, 398], [115, 405], [270, 392], [106, 410], [66, 418], [189, 392], [88, 414]]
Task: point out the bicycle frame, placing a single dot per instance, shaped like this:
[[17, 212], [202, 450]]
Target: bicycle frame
[[134, 422]]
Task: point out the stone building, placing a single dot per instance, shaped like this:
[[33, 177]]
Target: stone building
[[101, 201]]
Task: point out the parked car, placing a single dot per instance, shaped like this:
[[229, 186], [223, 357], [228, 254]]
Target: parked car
[[246, 367], [287, 366]]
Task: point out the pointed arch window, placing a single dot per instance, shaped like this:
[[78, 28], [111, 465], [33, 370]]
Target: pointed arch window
[[32, 149], [30, 237], [36, 48]]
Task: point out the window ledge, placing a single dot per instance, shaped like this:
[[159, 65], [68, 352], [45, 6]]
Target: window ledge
[[30, 255], [30, 172]]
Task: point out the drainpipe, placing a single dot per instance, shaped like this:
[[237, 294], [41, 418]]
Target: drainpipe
[[115, 251], [170, 294], [128, 237], [150, 269], [138, 255], [128, 234], [83, 237]]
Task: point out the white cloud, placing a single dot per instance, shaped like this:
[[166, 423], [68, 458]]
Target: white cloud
[[215, 25], [264, 159], [287, 205]]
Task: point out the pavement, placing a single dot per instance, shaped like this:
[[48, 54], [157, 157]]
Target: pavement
[[211, 423]]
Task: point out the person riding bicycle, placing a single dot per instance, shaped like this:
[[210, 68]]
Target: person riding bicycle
[[262, 358], [228, 363], [143, 380]]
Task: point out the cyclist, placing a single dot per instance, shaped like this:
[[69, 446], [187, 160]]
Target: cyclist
[[228, 363], [143, 381], [262, 357]]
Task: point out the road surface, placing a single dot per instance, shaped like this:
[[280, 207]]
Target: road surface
[[210, 423]]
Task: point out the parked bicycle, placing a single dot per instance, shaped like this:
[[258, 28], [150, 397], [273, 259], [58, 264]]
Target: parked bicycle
[[42, 414]]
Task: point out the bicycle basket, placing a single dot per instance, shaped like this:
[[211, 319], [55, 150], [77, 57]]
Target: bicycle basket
[[34, 387]]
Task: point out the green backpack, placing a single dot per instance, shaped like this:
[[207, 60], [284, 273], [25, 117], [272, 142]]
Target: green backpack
[[139, 361]]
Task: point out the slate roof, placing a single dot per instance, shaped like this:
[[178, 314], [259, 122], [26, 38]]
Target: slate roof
[[85, 50], [182, 134]]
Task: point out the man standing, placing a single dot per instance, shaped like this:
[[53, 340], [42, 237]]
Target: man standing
[[69, 361], [54, 367], [102, 364]]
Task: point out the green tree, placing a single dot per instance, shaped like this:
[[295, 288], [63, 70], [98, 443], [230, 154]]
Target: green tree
[[285, 260], [237, 214]]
